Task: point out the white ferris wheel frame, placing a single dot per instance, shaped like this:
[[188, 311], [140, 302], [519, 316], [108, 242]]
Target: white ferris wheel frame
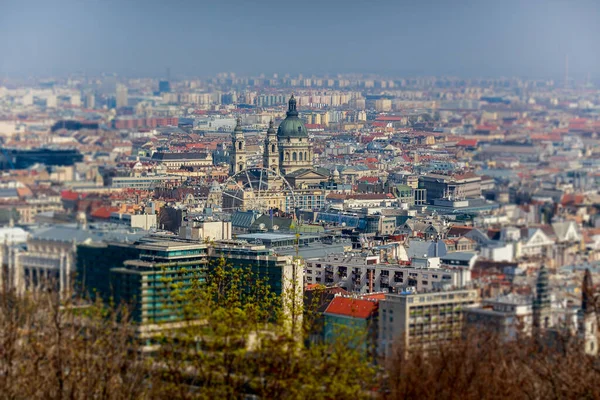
[[259, 192]]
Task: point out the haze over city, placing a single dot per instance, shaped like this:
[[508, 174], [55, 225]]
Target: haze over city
[[299, 199], [197, 38]]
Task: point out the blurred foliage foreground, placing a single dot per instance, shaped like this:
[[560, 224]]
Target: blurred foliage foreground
[[234, 338]]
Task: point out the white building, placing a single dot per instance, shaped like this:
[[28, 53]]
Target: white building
[[365, 273]]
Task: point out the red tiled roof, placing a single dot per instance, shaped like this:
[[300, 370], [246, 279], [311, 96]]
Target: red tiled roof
[[574, 199], [349, 307], [374, 296], [313, 286], [467, 143], [69, 195], [104, 212]]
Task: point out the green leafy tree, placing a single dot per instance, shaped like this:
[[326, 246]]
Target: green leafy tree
[[239, 338]]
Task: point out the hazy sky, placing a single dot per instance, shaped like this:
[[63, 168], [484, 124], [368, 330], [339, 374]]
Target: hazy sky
[[195, 37]]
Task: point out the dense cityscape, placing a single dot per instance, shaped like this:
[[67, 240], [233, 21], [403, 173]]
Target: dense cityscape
[[299, 235]]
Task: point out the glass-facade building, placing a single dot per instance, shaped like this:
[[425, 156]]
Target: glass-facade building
[[142, 275]]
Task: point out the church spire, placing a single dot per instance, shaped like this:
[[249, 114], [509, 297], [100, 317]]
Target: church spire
[[586, 316], [238, 125], [542, 303], [292, 111], [587, 293], [271, 130]]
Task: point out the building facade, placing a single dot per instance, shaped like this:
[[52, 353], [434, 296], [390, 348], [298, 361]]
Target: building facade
[[414, 320], [365, 273]]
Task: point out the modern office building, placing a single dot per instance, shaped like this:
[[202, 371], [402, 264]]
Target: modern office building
[[420, 320], [164, 87], [145, 282], [140, 274], [280, 272]]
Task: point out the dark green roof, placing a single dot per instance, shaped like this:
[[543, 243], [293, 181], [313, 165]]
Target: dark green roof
[[292, 126]]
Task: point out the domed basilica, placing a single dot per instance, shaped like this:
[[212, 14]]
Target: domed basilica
[[287, 150]]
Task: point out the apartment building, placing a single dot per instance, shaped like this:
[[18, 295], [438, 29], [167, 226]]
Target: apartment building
[[365, 273], [413, 320]]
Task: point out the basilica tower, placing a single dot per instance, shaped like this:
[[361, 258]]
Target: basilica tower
[[295, 150], [271, 151], [238, 151]]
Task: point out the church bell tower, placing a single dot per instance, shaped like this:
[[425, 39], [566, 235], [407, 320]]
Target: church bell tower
[[238, 152], [271, 152]]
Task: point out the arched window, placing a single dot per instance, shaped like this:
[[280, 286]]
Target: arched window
[[241, 167], [294, 156], [300, 156], [287, 156], [239, 145], [273, 148], [305, 156]]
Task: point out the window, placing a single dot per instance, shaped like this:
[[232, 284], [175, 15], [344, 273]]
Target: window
[[294, 156]]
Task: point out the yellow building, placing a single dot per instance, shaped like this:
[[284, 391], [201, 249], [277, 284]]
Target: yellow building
[[383, 105]]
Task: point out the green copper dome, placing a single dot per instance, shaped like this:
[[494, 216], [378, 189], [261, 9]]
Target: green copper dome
[[292, 126]]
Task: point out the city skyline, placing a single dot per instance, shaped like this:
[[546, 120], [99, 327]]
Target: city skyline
[[483, 39]]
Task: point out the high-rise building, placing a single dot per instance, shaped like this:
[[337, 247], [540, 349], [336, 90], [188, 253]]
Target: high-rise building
[[122, 96], [76, 100], [138, 273], [383, 105], [422, 319], [51, 101], [90, 101], [164, 87]]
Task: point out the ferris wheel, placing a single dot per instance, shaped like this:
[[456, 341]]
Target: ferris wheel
[[260, 189]]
